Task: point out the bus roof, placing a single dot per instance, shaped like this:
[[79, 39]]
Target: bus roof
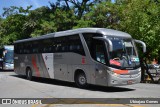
[[8, 47], [104, 31]]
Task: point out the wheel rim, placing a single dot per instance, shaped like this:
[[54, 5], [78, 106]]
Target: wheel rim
[[29, 74], [82, 79]]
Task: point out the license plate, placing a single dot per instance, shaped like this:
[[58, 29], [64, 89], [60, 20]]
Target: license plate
[[130, 82]]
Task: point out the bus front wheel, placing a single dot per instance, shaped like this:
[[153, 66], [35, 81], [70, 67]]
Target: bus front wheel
[[81, 80], [29, 74]]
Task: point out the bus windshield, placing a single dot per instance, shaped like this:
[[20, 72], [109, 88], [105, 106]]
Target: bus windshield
[[9, 56], [123, 55]]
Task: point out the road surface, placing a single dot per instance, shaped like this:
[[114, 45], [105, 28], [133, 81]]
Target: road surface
[[14, 86]]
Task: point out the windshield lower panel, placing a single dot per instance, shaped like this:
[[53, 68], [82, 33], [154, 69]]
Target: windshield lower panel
[[123, 55]]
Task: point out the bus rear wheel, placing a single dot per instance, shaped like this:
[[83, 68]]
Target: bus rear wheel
[[81, 80], [29, 74]]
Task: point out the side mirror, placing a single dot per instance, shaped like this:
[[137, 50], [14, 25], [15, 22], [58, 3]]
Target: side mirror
[[106, 40], [142, 43]]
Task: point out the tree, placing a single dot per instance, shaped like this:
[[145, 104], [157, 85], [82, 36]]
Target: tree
[[12, 24], [52, 19], [141, 19], [12, 29], [1, 30], [34, 19], [103, 14], [15, 10], [80, 7]]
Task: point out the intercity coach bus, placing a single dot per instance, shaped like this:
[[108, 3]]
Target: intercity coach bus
[[85, 56]]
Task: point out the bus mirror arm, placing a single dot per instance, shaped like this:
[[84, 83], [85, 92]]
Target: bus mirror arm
[[106, 40], [143, 44]]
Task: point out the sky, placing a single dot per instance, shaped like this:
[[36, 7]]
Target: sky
[[23, 3]]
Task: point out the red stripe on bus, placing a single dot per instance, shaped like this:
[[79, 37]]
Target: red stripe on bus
[[45, 64], [83, 60], [35, 66]]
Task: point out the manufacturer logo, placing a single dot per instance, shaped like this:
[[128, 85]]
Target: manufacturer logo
[[6, 101]]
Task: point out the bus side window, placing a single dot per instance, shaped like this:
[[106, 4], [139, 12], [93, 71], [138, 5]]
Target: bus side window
[[64, 48], [96, 47], [75, 44], [100, 53], [21, 50]]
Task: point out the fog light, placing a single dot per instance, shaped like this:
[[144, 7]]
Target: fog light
[[113, 81]]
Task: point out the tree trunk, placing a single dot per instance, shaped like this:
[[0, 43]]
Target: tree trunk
[[147, 71], [142, 70]]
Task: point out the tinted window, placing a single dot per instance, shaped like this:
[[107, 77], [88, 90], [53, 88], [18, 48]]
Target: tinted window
[[89, 38], [59, 44], [96, 47], [75, 45]]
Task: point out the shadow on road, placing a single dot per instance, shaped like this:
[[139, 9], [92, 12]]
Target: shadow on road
[[6, 70], [69, 84]]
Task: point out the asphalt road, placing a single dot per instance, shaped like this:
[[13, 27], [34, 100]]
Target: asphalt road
[[14, 86]]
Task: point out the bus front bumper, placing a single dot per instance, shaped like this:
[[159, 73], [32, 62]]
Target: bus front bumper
[[118, 80], [8, 66]]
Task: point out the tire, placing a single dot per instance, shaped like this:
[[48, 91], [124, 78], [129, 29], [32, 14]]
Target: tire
[[159, 81], [81, 80], [29, 74]]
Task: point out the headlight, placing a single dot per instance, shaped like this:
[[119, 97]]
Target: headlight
[[139, 69], [110, 72], [115, 74], [6, 65]]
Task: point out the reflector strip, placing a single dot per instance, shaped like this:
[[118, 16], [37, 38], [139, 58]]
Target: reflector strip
[[121, 71], [35, 66], [83, 60]]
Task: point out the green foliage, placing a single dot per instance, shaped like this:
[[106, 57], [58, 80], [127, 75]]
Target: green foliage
[[58, 20], [11, 29], [141, 19]]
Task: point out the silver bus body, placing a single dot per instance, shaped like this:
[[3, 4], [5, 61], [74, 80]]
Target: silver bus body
[[62, 65]]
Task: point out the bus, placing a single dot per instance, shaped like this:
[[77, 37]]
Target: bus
[[6, 57], [97, 56]]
